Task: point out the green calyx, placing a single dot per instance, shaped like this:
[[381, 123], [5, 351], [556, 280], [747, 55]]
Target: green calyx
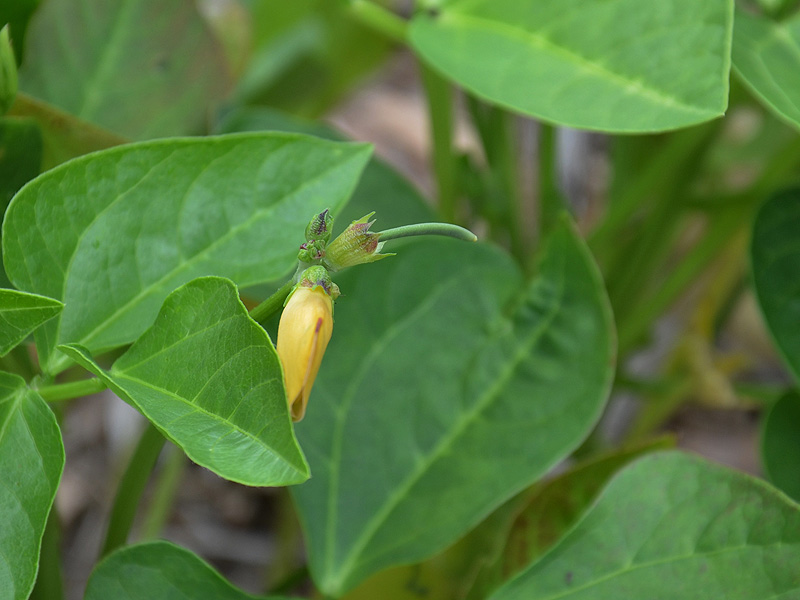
[[354, 246], [314, 277]]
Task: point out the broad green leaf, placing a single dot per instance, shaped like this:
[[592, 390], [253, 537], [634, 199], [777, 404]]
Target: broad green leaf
[[20, 314], [506, 541], [209, 378], [159, 571], [507, 380], [673, 526], [381, 189], [146, 218], [766, 55], [63, 136], [141, 68], [775, 256], [780, 444], [308, 54], [31, 460], [616, 65]]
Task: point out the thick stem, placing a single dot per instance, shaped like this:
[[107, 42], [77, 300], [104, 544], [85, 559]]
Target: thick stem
[[439, 94], [74, 389], [550, 203], [379, 19], [442, 229], [131, 487], [262, 313]]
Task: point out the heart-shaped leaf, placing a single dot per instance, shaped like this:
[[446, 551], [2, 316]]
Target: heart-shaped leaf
[[31, 461], [616, 65], [159, 571], [766, 55], [673, 526], [512, 380], [141, 68], [209, 378], [112, 233], [20, 314], [775, 255]]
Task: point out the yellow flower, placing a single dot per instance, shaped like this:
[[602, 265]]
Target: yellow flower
[[303, 334]]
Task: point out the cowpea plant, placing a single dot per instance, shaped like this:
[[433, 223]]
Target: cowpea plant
[[457, 375]]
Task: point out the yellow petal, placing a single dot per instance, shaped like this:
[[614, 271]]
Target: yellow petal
[[303, 334]]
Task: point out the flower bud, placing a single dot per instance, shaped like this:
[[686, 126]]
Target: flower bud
[[304, 331], [354, 246], [319, 228]]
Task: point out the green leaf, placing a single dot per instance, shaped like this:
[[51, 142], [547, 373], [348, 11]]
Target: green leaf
[[775, 256], [780, 444], [616, 65], [146, 218], [513, 380], [159, 571], [20, 156], [141, 68], [381, 189], [766, 55], [209, 378], [20, 314], [63, 136], [31, 461], [673, 526]]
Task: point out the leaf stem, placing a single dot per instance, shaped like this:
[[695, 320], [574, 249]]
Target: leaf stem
[[49, 581], [550, 202], [439, 95], [262, 313], [379, 19], [131, 487], [442, 229], [74, 389], [164, 496]]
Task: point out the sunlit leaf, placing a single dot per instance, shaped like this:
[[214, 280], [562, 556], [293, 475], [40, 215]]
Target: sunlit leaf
[[209, 378], [20, 314]]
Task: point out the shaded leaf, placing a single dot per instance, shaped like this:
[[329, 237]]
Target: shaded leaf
[[775, 256], [31, 461], [209, 378], [146, 218], [673, 526], [766, 55], [780, 444], [63, 136], [20, 314], [403, 467], [141, 68], [617, 65], [159, 571]]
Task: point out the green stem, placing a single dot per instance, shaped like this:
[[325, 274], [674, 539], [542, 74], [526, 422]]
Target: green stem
[[443, 229], [379, 19], [439, 95], [131, 487], [50, 581], [164, 496], [74, 389], [262, 313], [550, 203]]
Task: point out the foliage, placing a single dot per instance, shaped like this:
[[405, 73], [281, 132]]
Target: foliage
[[458, 375]]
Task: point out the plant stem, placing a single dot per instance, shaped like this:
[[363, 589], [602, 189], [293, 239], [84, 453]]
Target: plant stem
[[550, 203], [74, 389], [443, 229], [379, 19], [49, 581], [262, 313], [166, 488], [440, 116], [131, 487]]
